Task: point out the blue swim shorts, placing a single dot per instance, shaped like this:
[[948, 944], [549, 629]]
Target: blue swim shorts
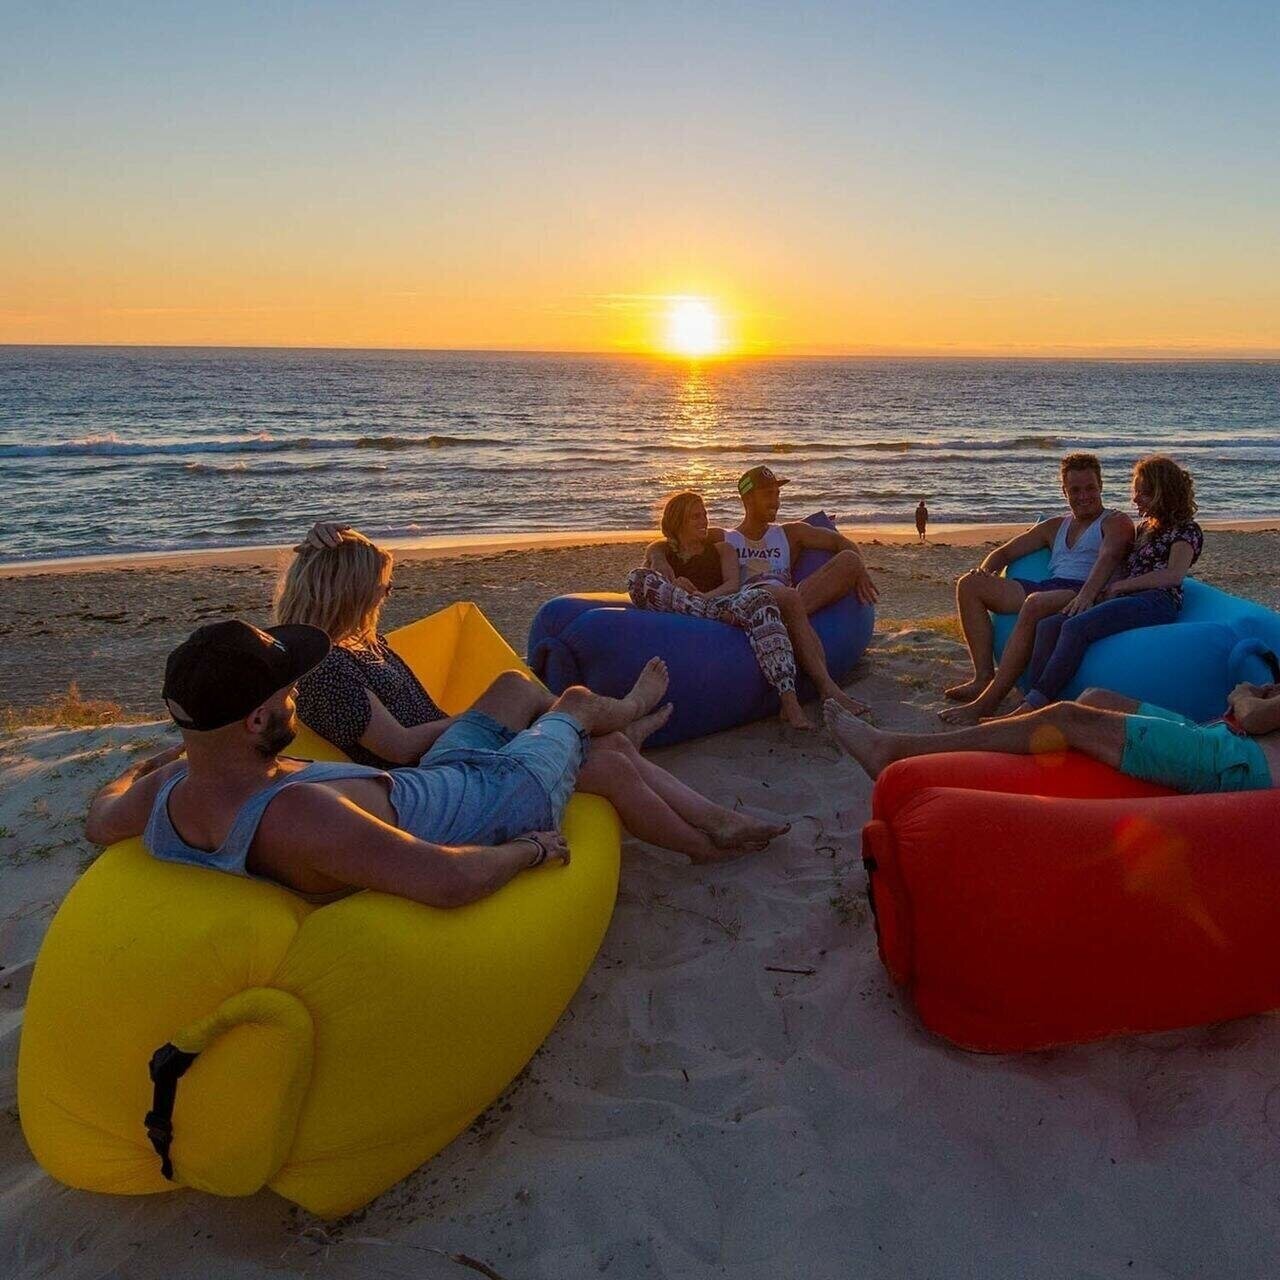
[[1030, 587], [1166, 748]]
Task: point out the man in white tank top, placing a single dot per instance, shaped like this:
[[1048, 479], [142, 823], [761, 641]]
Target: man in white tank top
[[1085, 545], [766, 553]]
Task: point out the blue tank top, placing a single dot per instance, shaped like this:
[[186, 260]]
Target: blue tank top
[[1077, 562]]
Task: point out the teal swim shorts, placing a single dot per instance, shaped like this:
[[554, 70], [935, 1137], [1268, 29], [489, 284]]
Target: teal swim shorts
[[1168, 749]]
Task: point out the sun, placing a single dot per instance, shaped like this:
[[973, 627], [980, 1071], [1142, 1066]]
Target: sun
[[693, 329]]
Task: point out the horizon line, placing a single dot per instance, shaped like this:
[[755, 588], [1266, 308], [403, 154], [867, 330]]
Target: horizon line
[[1115, 353]]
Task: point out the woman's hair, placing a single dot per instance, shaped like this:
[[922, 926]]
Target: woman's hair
[[339, 589], [1173, 492], [676, 512]]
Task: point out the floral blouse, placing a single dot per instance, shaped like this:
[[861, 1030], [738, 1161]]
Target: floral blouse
[[1152, 547], [332, 699]]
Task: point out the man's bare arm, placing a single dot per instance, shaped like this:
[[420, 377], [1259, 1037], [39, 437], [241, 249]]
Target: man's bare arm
[[1117, 540], [803, 535], [313, 829], [120, 810], [1038, 536]]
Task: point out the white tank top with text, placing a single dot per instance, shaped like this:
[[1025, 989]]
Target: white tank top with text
[[764, 558]]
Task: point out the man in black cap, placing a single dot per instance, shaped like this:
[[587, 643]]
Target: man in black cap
[[444, 835]]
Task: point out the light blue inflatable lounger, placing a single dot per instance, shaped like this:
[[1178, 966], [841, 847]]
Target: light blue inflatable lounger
[[1189, 665], [601, 640]]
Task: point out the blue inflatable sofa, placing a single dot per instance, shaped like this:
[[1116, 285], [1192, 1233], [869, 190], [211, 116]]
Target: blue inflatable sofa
[[1189, 665], [601, 640]]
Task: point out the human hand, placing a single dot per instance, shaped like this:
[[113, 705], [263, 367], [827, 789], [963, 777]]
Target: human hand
[[159, 760], [686, 585], [1078, 604], [323, 534], [865, 589], [1241, 694], [549, 846]]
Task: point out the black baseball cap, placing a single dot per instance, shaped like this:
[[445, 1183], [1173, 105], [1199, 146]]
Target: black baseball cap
[[757, 476], [222, 672]]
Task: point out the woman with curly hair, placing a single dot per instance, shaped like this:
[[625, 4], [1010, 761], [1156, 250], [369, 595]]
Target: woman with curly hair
[[1146, 591]]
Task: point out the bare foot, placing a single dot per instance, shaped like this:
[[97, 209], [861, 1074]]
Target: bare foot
[[868, 746], [1020, 710], [639, 730], [968, 691], [853, 706], [791, 713], [734, 830], [969, 713], [649, 687]]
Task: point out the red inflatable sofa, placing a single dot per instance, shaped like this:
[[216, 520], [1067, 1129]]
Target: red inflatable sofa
[[1032, 901]]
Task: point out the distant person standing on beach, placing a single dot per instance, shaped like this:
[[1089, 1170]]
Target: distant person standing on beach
[[922, 518]]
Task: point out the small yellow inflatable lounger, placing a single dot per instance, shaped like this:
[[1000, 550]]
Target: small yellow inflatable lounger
[[336, 1047]]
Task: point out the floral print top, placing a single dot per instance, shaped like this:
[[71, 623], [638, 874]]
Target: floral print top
[[333, 702], [1152, 547]]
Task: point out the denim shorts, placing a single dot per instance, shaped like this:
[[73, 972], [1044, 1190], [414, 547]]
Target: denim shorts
[[1166, 748], [551, 750], [1030, 587]]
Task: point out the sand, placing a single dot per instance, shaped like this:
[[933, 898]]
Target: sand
[[699, 1111]]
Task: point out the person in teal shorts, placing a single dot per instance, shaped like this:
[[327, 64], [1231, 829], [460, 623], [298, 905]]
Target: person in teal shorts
[[1240, 751]]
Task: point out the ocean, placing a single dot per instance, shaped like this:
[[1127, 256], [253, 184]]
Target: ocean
[[106, 450]]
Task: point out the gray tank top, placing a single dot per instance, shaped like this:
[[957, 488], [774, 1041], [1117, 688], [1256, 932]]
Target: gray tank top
[[163, 841], [486, 800], [1077, 562]]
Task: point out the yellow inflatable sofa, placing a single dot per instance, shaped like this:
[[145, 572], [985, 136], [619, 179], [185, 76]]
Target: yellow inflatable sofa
[[328, 1050]]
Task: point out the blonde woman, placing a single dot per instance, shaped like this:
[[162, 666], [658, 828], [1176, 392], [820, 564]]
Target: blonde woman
[[364, 699], [685, 571]]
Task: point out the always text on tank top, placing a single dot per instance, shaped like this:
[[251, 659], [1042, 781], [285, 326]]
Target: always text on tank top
[[703, 570], [764, 558], [1076, 563]]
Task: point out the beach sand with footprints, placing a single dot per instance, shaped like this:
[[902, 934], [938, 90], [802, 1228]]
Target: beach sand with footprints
[[737, 1090]]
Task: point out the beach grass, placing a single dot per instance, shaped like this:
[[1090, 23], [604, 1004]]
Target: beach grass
[[69, 710]]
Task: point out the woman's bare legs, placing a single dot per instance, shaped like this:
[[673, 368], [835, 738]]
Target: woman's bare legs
[[514, 700], [615, 770], [599, 715], [727, 828]]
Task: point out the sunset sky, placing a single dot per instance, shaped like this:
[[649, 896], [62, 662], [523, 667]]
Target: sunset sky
[[946, 178]]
